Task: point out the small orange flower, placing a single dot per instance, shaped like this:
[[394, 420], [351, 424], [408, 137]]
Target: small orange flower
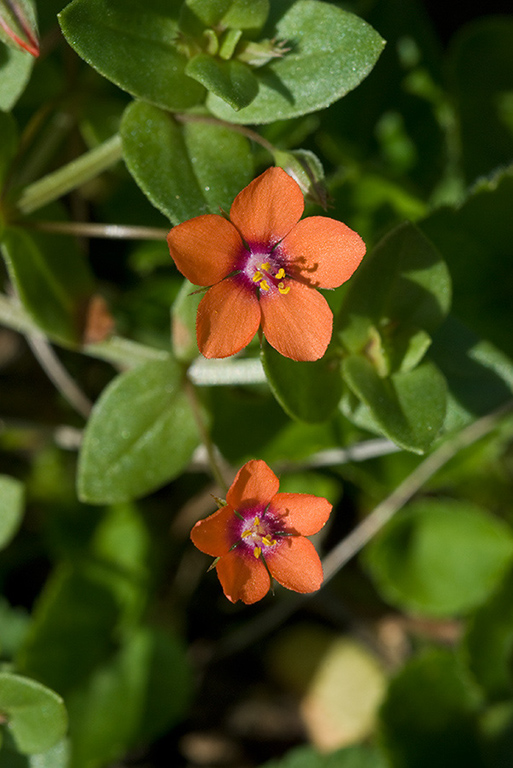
[[263, 266], [260, 534]]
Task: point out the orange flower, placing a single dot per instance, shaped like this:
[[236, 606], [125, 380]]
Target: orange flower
[[263, 266], [260, 534]]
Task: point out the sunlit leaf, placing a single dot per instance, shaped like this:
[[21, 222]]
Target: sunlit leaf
[[141, 435]]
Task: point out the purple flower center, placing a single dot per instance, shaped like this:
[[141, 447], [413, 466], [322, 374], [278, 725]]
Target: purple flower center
[[257, 531], [263, 267]]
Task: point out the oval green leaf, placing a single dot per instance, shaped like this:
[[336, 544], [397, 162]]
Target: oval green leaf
[[36, 717], [132, 43], [11, 508], [408, 407], [141, 435], [184, 170], [331, 52], [440, 557]]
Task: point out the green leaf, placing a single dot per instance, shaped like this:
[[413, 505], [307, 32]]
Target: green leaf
[[52, 280], [306, 391], [132, 43], [479, 68], [184, 170], [55, 757], [440, 557], [8, 145], [15, 69], [359, 756], [479, 376], [153, 698], [11, 508], [232, 81], [398, 297], [36, 716], [409, 408], [331, 51], [15, 622], [73, 628], [247, 14], [183, 316], [429, 716], [475, 239], [488, 642], [140, 436], [195, 15], [19, 26]]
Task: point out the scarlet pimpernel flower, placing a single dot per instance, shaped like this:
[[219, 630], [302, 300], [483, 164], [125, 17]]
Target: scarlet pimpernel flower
[[260, 534], [263, 266]]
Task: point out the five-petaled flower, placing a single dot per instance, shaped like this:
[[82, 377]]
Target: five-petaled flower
[[263, 266], [260, 534]]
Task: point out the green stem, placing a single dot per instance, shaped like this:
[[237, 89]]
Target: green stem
[[71, 176], [205, 436]]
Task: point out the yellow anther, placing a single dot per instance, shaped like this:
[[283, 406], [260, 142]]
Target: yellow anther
[[264, 285], [257, 551], [283, 289], [265, 266], [257, 521], [280, 273], [245, 534], [268, 541], [257, 276]]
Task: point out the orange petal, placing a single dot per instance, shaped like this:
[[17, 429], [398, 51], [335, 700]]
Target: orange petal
[[296, 565], [243, 578], [298, 324], [322, 251], [267, 209], [205, 249], [302, 512], [228, 318], [254, 485], [213, 535]]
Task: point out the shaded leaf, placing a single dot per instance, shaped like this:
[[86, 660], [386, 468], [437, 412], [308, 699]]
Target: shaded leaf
[[306, 391], [231, 81], [52, 280], [430, 714], [440, 557], [397, 298]]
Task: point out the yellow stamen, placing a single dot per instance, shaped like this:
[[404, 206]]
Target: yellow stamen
[[268, 541], [264, 285], [245, 534], [283, 289], [266, 266], [257, 276], [257, 551], [257, 521], [280, 273]]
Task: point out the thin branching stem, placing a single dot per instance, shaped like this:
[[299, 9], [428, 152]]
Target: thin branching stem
[[58, 374], [106, 231]]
